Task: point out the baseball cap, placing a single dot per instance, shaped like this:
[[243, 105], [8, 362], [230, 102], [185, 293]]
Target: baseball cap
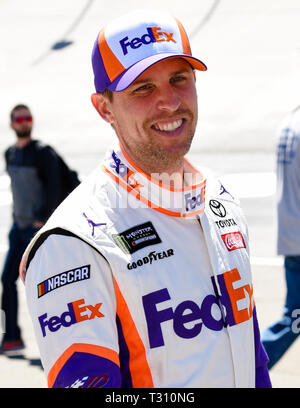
[[130, 44]]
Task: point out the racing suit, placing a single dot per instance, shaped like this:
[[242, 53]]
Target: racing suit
[[134, 284]]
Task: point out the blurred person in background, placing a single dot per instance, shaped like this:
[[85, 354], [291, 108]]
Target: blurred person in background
[[282, 333], [37, 186]]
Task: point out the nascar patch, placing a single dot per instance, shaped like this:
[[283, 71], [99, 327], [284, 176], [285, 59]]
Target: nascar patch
[[63, 279]]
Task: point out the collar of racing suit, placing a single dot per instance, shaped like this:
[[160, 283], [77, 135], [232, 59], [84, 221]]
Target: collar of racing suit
[[185, 202]]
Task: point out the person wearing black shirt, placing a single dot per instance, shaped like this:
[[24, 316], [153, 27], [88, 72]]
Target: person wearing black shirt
[[37, 187]]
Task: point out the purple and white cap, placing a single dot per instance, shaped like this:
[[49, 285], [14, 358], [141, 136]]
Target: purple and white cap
[[130, 44]]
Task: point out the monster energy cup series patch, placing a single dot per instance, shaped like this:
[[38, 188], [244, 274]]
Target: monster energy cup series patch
[[137, 237]]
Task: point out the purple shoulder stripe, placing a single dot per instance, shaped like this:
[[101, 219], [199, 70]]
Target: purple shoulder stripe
[[85, 370]]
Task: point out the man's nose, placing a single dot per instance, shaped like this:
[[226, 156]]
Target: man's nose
[[168, 99]]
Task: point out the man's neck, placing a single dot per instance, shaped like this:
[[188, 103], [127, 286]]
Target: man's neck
[[23, 141], [172, 178], [178, 174]]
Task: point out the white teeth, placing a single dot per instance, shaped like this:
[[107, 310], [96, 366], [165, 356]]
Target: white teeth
[[170, 126]]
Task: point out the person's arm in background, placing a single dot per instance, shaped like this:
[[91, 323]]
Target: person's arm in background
[[49, 170]]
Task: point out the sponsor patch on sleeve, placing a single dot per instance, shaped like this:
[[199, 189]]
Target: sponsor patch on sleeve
[[137, 238], [63, 279], [233, 240]]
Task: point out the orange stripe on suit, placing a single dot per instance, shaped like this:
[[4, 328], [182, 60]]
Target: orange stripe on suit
[[138, 364]]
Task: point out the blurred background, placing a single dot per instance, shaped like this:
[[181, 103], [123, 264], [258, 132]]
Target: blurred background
[[252, 51]]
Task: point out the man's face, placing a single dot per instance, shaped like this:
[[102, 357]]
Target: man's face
[[22, 122], [155, 118]]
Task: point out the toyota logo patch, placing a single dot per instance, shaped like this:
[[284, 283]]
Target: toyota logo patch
[[217, 208]]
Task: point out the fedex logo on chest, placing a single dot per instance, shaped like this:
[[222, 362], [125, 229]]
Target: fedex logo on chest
[[227, 306], [153, 34]]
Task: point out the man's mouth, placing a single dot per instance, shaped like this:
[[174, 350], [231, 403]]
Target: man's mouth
[[168, 127]]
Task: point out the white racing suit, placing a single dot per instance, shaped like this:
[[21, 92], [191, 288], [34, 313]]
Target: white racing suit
[[134, 284]]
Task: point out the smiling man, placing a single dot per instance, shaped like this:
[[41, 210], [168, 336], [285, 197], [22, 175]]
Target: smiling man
[[168, 300], [155, 117]]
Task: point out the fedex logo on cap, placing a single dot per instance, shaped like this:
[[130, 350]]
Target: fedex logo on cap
[[153, 34]]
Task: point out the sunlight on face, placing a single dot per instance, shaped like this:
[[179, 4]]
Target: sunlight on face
[[156, 116]]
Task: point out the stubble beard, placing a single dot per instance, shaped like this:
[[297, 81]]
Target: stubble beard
[[154, 157], [159, 159]]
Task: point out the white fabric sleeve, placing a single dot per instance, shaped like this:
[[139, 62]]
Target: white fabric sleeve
[[71, 298]]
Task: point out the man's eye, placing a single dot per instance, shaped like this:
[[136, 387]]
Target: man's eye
[[143, 89], [178, 78]]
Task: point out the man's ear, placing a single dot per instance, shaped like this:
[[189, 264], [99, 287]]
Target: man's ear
[[103, 107]]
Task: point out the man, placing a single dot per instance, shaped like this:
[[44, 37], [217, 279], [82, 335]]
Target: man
[[281, 334], [35, 172], [142, 279]]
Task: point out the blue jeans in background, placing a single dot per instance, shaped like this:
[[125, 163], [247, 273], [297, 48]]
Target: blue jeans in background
[[280, 336], [19, 238]]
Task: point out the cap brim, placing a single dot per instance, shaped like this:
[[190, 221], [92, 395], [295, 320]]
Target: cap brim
[[130, 75]]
